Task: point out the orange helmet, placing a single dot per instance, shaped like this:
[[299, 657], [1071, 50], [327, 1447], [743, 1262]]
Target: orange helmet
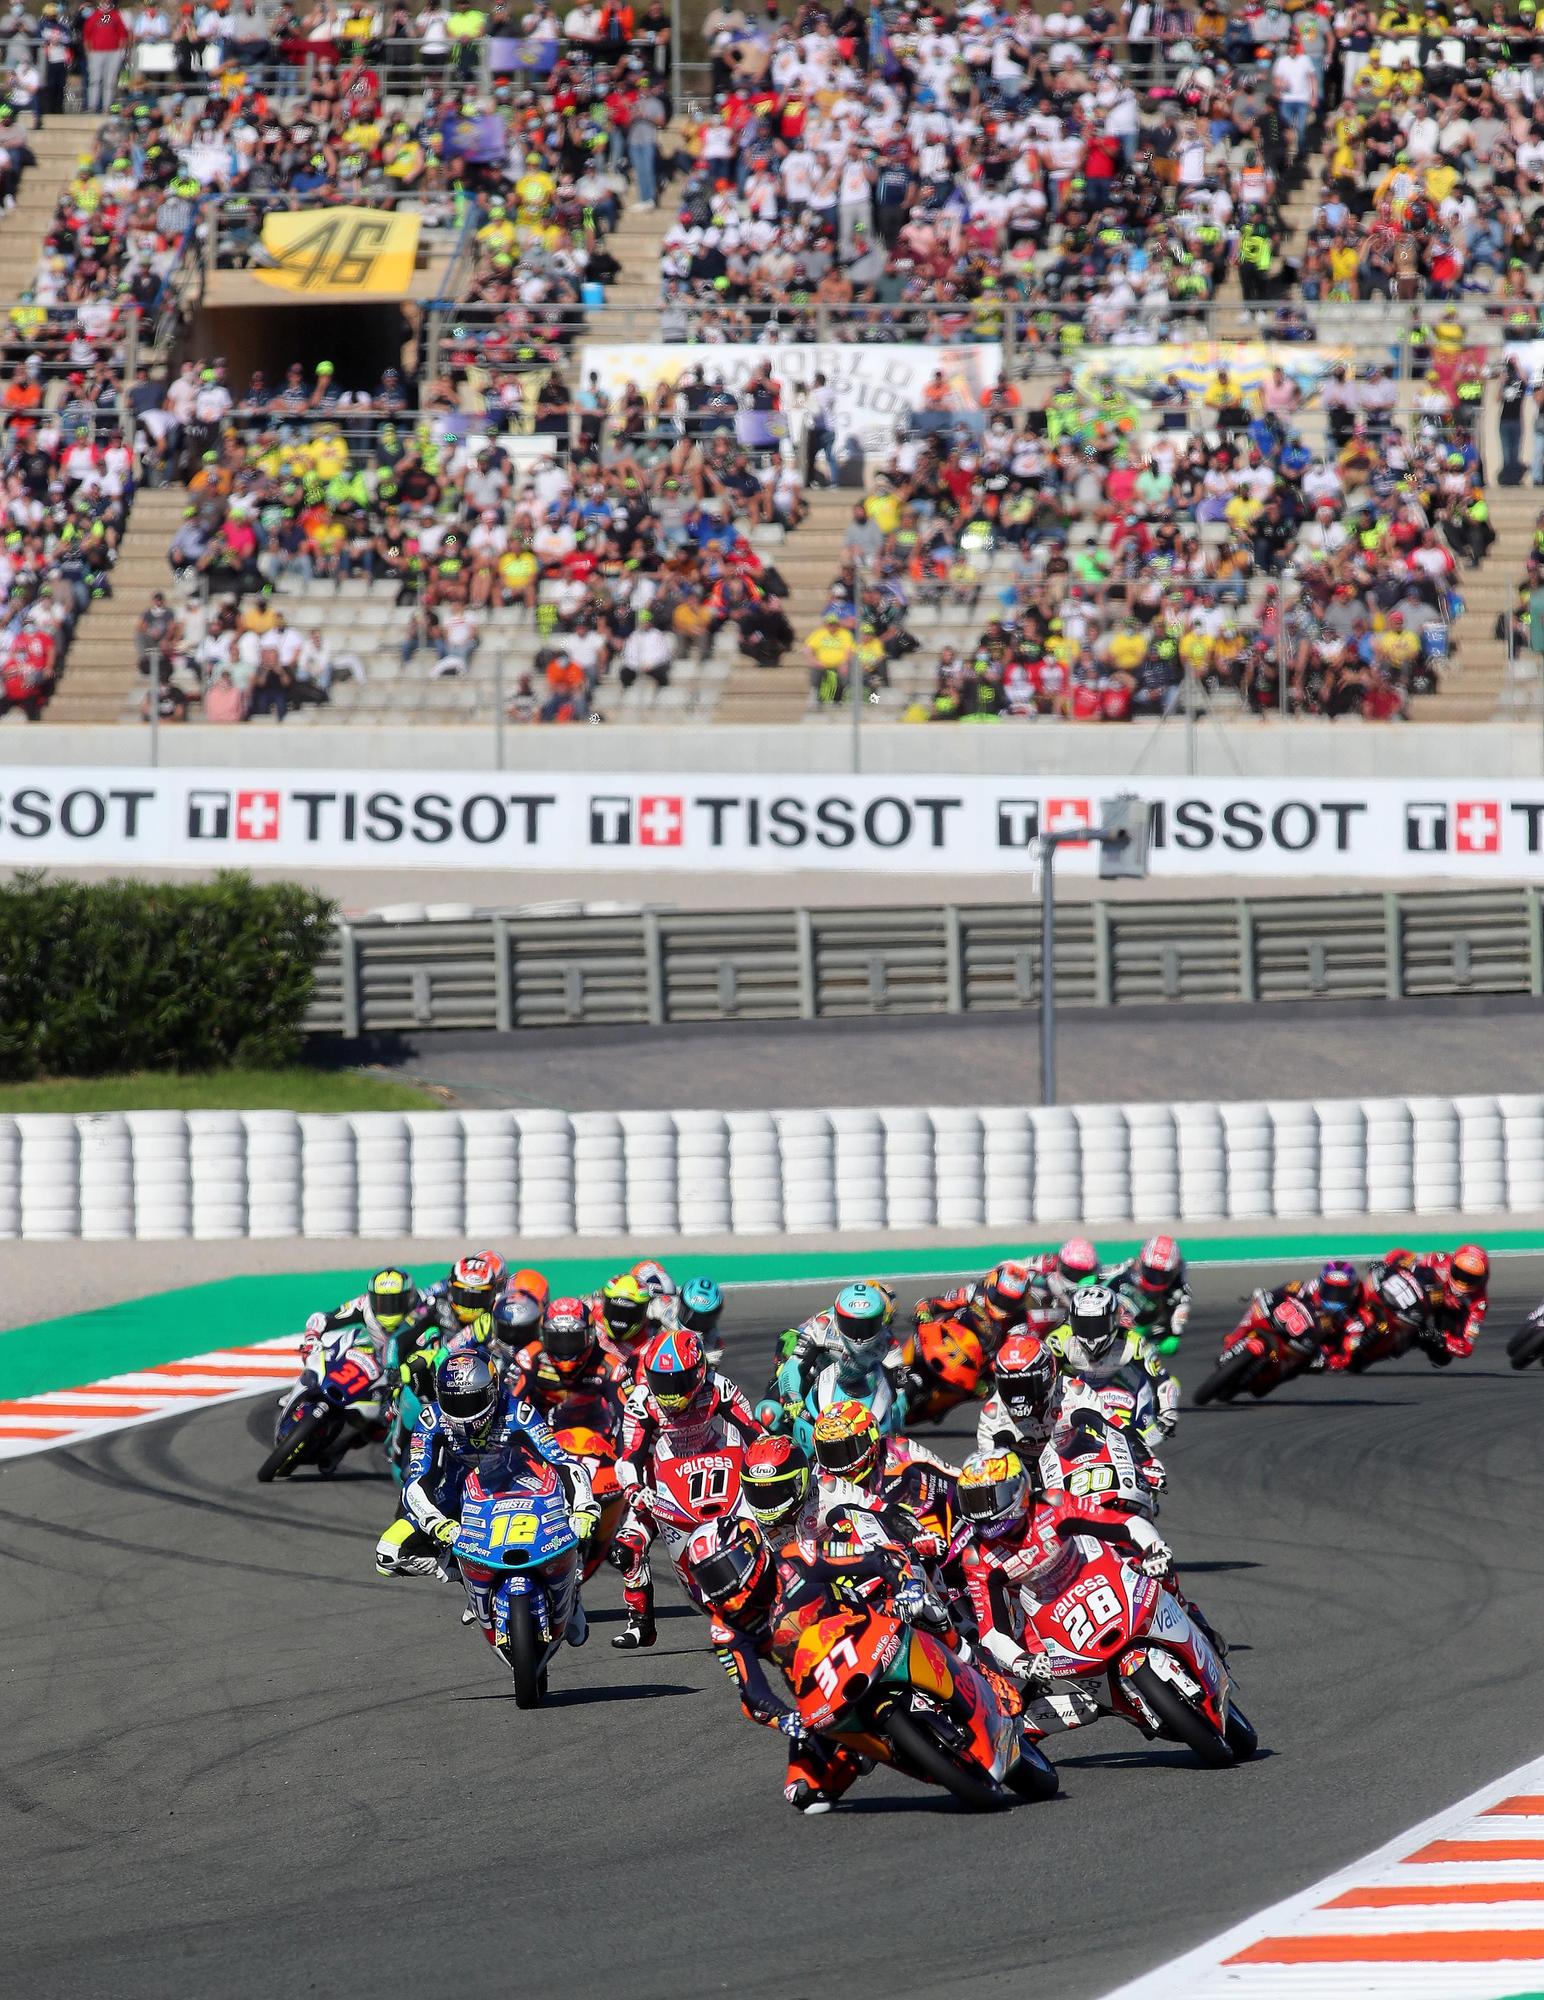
[[951, 1354], [1003, 1291], [1469, 1272]]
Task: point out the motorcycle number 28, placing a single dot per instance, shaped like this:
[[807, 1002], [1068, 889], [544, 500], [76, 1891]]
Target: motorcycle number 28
[[1081, 1621]]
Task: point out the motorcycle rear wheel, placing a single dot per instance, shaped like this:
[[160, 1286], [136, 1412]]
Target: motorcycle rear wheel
[[524, 1652], [1226, 1379], [925, 1757], [284, 1458], [1179, 1720], [1526, 1347]]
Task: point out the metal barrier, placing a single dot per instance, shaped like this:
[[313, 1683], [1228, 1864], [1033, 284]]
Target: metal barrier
[[507, 970]]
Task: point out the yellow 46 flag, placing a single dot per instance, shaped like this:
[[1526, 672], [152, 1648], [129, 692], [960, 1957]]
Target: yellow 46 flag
[[351, 253]]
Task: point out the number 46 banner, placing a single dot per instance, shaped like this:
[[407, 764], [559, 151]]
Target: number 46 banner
[[340, 252]]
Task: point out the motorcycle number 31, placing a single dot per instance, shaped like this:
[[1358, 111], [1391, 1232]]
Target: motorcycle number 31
[[1081, 1621]]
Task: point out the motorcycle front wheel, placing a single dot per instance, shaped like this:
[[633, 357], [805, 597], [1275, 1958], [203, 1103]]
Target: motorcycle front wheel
[[1178, 1719], [1226, 1379], [524, 1651], [285, 1456], [1526, 1345], [924, 1756]]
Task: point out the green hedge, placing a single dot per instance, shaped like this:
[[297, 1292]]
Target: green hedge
[[101, 977]]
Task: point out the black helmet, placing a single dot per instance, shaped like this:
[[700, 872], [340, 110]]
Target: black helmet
[[467, 1393], [516, 1318]]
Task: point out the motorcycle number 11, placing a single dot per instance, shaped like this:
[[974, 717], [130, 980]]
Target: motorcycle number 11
[[1082, 1621]]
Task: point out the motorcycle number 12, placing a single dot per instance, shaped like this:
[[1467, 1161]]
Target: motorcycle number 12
[[1083, 1620]]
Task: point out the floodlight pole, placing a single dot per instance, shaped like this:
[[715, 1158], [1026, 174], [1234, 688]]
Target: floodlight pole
[[1049, 842]]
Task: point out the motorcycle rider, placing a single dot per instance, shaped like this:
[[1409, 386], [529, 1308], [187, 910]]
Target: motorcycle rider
[[680, 1406], [779, 1489], [758, 1596], [517, 1319], [1094, 1347], [566, 1362], [1014, 1541], [1075, 1264], [475, 1423], [855, 1335], [995, 1303], [1025, 1411], [371, 1325], [628, 1316], [908, 1488], [1155, 1289], [698, 1309], [1464, 1278], [448, 1311], [1337, 1302]]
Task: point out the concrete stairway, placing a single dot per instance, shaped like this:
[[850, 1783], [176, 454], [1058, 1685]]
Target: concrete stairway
[[1475, 686], [100, 679], [635, 243], [808, 560], [58, 147], [1297, 214]]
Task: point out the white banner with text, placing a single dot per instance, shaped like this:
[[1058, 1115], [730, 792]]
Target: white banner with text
[[1470, 829]]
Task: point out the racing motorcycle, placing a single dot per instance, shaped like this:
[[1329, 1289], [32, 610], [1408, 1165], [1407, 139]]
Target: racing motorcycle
[[828, 1387], [892, 1692], [517, 1552], [945, 1363], [1121, 1642], [1527, 1344], [1400, 1320], [1090, 1459], [1260, 1354], [347, 1409], [582, 1428]]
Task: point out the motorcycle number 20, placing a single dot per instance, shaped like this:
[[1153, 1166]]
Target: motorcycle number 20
[[1081, 1621]]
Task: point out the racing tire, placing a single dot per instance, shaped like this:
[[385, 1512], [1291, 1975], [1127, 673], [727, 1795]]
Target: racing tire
[[1178, 1719], [1034, 1775], [524, 1652], [1226, 1379], [1526, 1346], [1243, 1737], [284, 1458], [925, 1757]]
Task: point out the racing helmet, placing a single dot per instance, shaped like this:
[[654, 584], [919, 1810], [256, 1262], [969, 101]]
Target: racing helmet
[[1003, 1293], [861, 1317], [1469, 1272], [467, 1393], [624, 1306], [1158, 1266], [1025, 1372], [393, 1296], [730, 1567], [993, 1493], [475, 1283], [1338, 1287], [886, 1292], [1402, 1300], [516, 1319], [675, 1369], [1093, 1322], [775, 1480], [655, 1279], [700, 1305], [567, 1335], [847, 1442], [1077, 1262]]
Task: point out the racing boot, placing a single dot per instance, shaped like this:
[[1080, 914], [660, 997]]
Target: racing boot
[[636, 1633], [396, 1555], [578, 1625], [805, 1797]]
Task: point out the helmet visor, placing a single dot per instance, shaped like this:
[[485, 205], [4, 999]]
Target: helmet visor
[[728, 1575], [775, 1491], [467, 1301], [847, 1455], [988, 1500]]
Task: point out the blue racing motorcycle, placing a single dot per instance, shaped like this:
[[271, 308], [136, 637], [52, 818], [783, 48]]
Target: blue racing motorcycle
[[519, 1558]]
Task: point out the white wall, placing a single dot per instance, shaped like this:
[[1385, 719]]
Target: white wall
[[1308, 749], [494, 1175]]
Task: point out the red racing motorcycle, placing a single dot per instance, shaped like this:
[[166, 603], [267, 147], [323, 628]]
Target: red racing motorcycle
[[1263, 1351]]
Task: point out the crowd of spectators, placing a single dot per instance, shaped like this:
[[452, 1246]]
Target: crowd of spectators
[[980, 160], [626, 557], [67, 477], [1108, 562]]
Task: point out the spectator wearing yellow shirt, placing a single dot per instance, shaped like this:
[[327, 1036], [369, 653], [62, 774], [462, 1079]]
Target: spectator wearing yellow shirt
[[830, 646], [884, 510], [1196, 652], [1126, 649], [1396, 650], [518, 572]]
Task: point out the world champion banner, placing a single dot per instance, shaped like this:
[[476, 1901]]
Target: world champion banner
[[961, 828]]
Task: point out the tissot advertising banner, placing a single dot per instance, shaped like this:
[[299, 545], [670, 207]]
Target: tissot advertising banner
[[1470, 830]]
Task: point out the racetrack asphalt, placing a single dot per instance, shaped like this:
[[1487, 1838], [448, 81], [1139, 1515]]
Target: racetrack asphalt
[[237, 1765]]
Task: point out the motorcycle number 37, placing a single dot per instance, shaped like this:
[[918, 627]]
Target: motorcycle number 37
[[828, 1675], [1080, 1621]]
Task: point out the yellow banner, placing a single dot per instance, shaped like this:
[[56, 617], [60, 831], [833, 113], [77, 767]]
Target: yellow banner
[[340, 253]]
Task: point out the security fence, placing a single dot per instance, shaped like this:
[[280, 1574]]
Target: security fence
[[508, 970]]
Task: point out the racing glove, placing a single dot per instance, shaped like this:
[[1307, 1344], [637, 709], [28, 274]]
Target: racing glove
[[1153, 1476], [585, 1520], [1159, 1561], [1033, 1671], [793, 1727], [446, 1532]]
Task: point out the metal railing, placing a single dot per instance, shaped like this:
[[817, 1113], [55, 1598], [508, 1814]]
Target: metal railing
[[508, 970]]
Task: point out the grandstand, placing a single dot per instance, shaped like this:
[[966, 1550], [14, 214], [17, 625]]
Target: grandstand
[[1243, 200]]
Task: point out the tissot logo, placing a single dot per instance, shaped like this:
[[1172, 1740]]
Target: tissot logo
[[1018, 822], [661, 822], [611, 822], [1063, 814], [1471, 826], [209, 815], [257, 815]]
